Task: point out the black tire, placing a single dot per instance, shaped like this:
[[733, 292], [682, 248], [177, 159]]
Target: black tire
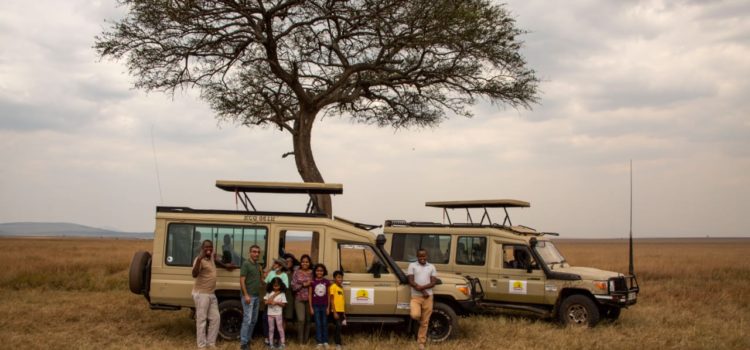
[[578, 310], [231, 319], [610, 313], [443, 322], [138, 276]]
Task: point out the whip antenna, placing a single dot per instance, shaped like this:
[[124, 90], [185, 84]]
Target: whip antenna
[[630, 267]]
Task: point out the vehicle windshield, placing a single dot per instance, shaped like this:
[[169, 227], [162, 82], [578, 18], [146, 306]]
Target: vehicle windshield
[[549, 253]]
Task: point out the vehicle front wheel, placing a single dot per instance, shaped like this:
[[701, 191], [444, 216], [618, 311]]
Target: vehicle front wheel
[[231, 319], [578, 310], [443, 322]]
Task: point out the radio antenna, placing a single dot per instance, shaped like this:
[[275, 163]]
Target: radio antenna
[[630, 267]]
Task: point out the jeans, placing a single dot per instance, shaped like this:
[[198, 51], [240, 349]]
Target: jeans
[[249, 318], [321, 323]]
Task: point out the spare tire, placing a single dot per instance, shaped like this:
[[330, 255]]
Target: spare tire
[[138, 274]]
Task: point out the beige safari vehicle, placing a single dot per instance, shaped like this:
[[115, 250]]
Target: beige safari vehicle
[[519, 268], [377, 290]]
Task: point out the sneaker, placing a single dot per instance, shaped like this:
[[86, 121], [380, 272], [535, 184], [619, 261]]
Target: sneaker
[[319, 346], [338, 347], [281, 346], [325, 345], [243, 347], [421, 346]]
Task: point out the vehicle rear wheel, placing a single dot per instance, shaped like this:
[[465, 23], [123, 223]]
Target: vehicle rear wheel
[[611, 313], [231, 319], [138, 280], [443, 322], [578, 310]]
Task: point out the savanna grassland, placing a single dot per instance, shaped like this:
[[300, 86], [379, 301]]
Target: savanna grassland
[[72, 293]]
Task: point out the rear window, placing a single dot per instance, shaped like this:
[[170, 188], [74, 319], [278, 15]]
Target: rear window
[[404, 247], [231, 243]]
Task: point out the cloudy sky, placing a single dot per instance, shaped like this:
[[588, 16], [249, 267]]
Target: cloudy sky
[[664, 83]]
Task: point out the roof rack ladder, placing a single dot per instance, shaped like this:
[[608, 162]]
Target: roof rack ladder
[[468, 216]]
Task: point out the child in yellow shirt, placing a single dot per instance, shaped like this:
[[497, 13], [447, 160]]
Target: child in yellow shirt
[[337, 306]]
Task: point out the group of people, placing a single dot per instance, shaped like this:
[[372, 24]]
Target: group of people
[[292, 289]]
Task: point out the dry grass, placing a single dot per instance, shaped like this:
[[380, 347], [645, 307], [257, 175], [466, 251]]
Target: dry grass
[[70, 293]]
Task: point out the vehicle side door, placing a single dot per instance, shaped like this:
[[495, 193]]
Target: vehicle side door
[[517, 277], [370, 287]]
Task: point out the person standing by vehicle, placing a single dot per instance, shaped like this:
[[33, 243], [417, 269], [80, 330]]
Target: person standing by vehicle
[[278, 270], [206, 304], [337, 305], [319, 304], [300, 282], [251, 277], [422, 277]]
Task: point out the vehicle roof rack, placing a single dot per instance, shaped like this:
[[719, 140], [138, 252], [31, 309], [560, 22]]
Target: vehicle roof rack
[[490, 203], [280, 187], [367, 227], [483, 204], [242, 188]]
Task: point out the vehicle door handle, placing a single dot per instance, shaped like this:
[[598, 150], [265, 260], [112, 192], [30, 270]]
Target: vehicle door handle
[[534, 278], [346, 283], [458, 273], [505, 277]]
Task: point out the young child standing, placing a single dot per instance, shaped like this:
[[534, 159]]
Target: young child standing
[[320, 304], [337, 306], [276, 300]]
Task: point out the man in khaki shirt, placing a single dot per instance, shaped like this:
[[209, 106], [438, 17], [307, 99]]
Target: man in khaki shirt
[[206, 304]]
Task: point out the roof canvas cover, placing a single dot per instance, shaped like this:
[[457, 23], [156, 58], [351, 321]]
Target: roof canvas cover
[[489, 203], [280, 187]]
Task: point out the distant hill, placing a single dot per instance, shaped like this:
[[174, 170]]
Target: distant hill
[[59, 229]]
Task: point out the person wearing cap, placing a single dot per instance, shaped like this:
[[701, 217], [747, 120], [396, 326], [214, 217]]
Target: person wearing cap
[[278, 268]]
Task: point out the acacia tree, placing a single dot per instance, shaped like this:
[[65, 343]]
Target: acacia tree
[[281, 63]]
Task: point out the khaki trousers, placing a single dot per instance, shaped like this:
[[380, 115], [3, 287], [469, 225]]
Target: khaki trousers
[[206, 309], [421, 310]]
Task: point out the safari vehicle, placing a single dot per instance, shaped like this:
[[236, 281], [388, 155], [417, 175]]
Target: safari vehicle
[[377, 290], [519, 268]]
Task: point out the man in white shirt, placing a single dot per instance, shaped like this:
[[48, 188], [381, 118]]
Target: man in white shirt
[[422, 277]]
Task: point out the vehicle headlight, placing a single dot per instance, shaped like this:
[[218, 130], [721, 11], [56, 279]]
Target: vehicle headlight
[[601, 285], [463, 289]]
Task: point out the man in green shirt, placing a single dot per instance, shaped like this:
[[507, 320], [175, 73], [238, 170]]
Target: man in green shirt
[[251, 276]]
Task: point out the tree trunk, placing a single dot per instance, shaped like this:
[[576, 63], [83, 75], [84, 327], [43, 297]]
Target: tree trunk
[[305, 161]]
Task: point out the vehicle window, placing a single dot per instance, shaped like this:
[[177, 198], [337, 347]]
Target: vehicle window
[[471, 250], [360, 258], [404, 247], [230, 242], [299, 243], [518, 257]]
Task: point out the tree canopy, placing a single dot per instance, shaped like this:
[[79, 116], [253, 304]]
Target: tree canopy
[[281, 63]]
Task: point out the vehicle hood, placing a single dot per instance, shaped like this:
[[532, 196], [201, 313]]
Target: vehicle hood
[[587, 273], [449, 278]]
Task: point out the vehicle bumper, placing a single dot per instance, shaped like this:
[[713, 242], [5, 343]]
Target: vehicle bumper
[[623, 292]]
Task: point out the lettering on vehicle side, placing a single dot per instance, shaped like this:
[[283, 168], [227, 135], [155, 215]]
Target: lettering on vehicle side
[[259, 218]]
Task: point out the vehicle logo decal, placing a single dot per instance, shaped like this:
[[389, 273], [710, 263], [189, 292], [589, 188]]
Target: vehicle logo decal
[[363, 296], [517, 287]]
